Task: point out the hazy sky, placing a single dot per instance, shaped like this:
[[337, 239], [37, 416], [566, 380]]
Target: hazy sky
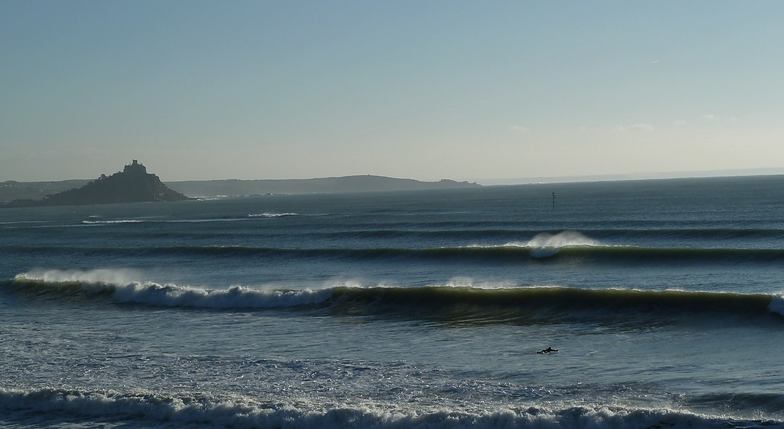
[[423, 89]]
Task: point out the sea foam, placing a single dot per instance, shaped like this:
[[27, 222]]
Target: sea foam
[[143, 409], [272, 214]]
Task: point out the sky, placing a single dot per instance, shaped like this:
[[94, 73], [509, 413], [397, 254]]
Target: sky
[[468, 90]]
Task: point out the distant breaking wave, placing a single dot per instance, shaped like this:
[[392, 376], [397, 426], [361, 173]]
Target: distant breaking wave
[[474, 305], [111, 222], [272, 214], [93, 221], [545, 244], [601, 233]]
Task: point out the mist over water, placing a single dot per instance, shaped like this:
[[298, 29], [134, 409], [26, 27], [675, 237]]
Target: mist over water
[[419, 309]]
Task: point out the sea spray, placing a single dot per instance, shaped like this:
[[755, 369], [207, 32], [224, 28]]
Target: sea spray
[[109, 276], [545, 245]]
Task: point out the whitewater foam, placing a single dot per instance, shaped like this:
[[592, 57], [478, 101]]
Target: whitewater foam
[[469, 283], [272, 214], [111, 222], [140, 409]]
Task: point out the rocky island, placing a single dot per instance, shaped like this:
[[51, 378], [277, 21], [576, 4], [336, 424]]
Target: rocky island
[[132, 185]]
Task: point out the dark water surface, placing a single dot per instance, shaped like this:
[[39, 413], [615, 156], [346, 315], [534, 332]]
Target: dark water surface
[[417, 309]]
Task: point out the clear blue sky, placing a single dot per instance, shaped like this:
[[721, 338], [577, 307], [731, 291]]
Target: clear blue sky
[[423, 89]]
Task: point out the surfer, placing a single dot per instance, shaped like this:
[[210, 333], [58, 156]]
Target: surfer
[[547, 351]]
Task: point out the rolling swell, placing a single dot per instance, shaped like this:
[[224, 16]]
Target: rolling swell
[[144, 409], [505, 253], [441, 303], [480, 233], [555, 304]]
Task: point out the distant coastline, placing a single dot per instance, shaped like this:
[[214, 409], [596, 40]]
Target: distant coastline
[[232, 188], [238, 188], [324, 185], [131, 185]]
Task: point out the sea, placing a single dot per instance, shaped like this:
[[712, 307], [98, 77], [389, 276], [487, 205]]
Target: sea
[[422, 309]]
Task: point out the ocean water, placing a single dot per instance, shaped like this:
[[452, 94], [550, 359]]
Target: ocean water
[[401, 310]]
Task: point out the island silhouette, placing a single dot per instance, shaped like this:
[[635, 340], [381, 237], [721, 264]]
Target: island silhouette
[[132, 185]]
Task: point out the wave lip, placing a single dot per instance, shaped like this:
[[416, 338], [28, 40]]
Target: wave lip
[[145, 408], [167, 295]]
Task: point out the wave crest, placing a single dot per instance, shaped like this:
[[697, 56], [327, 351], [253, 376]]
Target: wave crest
[[115, 283], [456, 301]]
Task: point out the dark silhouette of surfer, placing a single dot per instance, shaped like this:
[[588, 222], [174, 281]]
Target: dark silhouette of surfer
[[548, 350]]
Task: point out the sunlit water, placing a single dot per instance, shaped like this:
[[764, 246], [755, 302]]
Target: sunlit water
[[419, 309]]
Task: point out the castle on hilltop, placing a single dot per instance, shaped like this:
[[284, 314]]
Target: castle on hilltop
[[135, 168]]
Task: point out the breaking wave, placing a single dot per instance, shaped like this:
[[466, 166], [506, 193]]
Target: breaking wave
[[144, 409], [545, 244], [115, 284], [453, 303]]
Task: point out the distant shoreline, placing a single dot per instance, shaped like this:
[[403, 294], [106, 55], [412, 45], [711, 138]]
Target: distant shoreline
[[244, 188], [230, 188]]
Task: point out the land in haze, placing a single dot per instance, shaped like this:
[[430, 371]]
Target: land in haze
[[64, 192], [331, 185]]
